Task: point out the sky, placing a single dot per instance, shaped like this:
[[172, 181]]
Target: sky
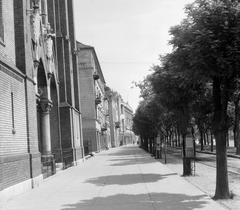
[[128, 37]]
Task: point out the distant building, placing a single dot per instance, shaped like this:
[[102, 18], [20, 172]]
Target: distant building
[[126, 134], [96, 132], [120, 117], [114, 115]]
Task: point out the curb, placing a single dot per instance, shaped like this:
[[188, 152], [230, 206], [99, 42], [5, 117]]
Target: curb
[[213, 153]]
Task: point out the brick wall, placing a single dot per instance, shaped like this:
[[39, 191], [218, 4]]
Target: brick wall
[[90, 135], [19, 35], [36, 164], [87, 98], [13, 170], [32, 117], [10, 142], [16, 169], [19, 156], [24, 59], [87, 93], [14, 158], [7, 48]]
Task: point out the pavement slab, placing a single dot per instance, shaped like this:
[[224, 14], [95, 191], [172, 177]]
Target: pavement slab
[[124, 178]]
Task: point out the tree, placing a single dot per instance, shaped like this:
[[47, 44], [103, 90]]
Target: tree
[[145, 118], [145, 123], [177, 94], [206, 50], [202, 111], [151, 118], [213, 49]]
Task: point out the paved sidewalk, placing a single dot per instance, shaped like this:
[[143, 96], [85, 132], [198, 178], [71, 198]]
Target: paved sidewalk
[[121, 178]]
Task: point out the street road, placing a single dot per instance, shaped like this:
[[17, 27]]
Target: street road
[[210, 160]]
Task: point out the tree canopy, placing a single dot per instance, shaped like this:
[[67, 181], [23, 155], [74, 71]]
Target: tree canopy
[[200, 77]]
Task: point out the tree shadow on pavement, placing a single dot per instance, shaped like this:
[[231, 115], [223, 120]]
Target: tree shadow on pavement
[[130, 156], [131, 161], [126, 151], [160, 201], [127, 179]]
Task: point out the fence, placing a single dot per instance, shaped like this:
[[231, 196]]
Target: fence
[[48, 167], [87, 147], [67, 159]]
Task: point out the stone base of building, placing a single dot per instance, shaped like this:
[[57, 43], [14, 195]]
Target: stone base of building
[[79, 151], [78, 162], [20, 188]]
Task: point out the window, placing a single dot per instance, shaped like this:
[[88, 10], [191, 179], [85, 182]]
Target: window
[[12, 106]]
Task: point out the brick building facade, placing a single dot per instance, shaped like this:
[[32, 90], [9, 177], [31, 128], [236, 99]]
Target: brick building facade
[[40, 114], [53, 95], [96, 127]]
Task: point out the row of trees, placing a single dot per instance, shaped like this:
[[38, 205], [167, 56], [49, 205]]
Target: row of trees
[[198, 82]]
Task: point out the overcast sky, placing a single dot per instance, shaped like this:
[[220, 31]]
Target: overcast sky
[[128, 37]]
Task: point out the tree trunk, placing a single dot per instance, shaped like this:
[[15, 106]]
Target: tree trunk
[[222, 188], [211, 142], [142, 143], [236, 127], [171, 139], [145, 143], [184, 130], [150, 145], [154, 146], [220, 126], [207, 137], [204, 138], [238, 148], [201, 141], [165, 150], [186, 161], [227, 138], [235, 132], [178, 137]]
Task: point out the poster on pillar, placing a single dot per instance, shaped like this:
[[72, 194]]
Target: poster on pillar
[[189, 149]]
